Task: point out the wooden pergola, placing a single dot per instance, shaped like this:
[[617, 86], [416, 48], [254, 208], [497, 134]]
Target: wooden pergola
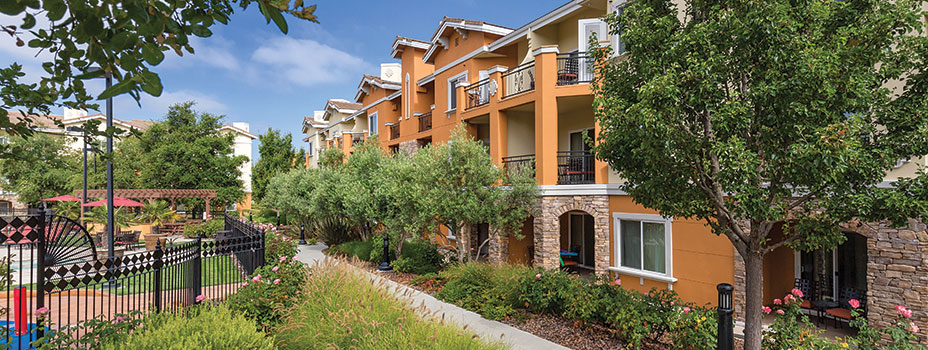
[[152, 194]]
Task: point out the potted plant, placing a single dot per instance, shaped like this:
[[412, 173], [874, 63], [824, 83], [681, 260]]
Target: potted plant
[[156, 212]]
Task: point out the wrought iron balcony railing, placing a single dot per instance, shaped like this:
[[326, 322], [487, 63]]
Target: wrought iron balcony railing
[[479, 94], [574, 68], [575, 167], [519, 80], [425, 122]]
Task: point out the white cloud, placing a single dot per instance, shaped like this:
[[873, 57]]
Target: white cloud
[[215, 51], [307, 62], [156, 107]]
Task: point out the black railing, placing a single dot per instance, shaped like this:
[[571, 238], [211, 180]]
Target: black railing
[[518, 162], [425, 122], [53, 267], [574, 68], [518, 80], [575, 167], [356, 139], [478, 94], [394, 131]]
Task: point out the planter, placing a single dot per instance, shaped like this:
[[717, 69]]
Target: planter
[[152, 239]]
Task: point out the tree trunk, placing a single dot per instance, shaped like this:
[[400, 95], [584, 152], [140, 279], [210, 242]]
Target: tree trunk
[[754, 294]]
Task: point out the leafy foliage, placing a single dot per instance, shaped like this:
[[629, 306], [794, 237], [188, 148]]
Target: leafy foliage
[[273, 288], [124, 38], [277, 156], [747, 115], [419, 257], [157, 212], [188, 151], [277, 246], [42, 170], [208, 228]]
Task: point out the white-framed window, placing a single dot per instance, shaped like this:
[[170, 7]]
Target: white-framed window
[[644, 245], [407, 99], [373, 123], [618, 46], [453, 83], [309, 153]]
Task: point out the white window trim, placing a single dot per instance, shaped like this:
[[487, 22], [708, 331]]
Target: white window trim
[[570, 237], [668, 248], [460, 77], [614, 40], [375, 129]]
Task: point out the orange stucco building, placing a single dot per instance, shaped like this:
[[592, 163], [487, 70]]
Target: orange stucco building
[[525, 93]]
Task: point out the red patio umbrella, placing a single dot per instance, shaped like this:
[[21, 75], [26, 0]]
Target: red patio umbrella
[[117, 202], [62, 198]]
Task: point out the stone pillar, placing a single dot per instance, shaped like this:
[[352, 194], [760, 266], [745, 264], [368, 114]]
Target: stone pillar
[[897, 273], [545, 116], [498, 247], [548, 229]]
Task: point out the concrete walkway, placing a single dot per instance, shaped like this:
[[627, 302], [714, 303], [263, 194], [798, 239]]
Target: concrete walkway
[[486, 329]]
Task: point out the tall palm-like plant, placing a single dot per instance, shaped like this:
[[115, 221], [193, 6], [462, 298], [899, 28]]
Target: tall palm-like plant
[[157, 212], [97, 216], [70, 210]]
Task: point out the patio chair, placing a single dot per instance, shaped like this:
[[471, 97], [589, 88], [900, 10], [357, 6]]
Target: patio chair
[[805, 286], [843, 311], [128, 239]]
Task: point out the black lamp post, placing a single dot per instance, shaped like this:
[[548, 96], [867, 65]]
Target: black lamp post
[[385, 264], [302, 236], [85, 147], [725, 309]]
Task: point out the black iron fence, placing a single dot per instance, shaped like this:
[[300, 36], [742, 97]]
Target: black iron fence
[[518, 80], [478, 94], [575, 167], [52, 268], [518, 162], [574, 68]]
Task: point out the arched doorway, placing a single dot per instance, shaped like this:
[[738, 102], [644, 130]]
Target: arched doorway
[[578, 240], [832, 271]]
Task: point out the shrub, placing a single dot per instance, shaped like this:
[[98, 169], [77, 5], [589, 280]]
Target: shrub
[[205, 327], [353, 249], [547, 291], [486, 289], [347, 310], [93, 332], [332, 230], [208, 228], [419, 257], [277, 245], [272, 288]]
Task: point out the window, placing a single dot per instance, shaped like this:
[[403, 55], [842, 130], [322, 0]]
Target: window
[[643, 245], [618, 46], [310, 152], [453, 83], [577, 140], [373, 123], [407, 99]]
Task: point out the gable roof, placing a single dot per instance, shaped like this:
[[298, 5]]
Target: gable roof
[[232, 128], [343, 106], [460, 25], [400, 42], [368, 80]]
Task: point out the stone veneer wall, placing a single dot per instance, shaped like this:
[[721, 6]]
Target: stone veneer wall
[[498, 247], [13, 199], [409, 146], [548, 232], [897, 273]]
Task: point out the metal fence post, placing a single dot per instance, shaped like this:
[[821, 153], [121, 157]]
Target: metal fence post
[[726, 326], [39, 257], [159, 266], [197, 270], [261, 238]]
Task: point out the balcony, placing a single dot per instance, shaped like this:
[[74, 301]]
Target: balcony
[[519, 80], [425, 122], [479, 94], [357, 139], [575, 168], [394, 131], [574, 68], [519, 162]]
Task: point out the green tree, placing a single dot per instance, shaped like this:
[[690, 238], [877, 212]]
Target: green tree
[[277, 156], [43, 170], [128, 163], [187, 151], [124, 37], [461, 185], [751, 114], [331, 157]]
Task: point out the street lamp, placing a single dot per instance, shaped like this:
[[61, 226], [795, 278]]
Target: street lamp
[[302, 234], [85, 147], [110, 227], [726, 332]]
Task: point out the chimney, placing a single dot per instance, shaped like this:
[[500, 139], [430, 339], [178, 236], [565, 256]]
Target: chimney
[[241, 125], [70, 113], [390, 72], [318, 115]]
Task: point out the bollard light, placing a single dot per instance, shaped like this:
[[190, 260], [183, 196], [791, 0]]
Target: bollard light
[[385, 264], [302, 236], [725, 309]]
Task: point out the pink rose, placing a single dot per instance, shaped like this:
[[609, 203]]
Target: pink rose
[[538, 276], [42, 310], [788, 298], [907, 313], [766, 309], [777, 302], [293, 258], [672, 302], [854, 303], [245, 284], [120, 319], [200, 298], [796, 292], [618, 281], [780, 312], [900, 308], [913, 327], [686, 309], [275, 268], [283, 258], [277, 281], [256, 278]]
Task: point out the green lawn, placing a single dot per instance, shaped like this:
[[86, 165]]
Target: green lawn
[[214, 271]]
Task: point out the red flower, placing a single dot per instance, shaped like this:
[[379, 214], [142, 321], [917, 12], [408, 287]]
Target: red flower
[[766, 309], [854, 303], [796, 292]]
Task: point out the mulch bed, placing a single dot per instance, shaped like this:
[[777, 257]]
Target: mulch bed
[[570, 333]]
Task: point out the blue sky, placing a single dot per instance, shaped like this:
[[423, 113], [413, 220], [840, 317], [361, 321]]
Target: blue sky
[[251, 72]]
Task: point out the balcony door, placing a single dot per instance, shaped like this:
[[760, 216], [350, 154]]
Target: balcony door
[[588, 28], [577, 142]]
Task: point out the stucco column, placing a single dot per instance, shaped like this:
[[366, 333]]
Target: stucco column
[[346, 143], [600, 169], [498, 136], [545, 115], [461, 103]]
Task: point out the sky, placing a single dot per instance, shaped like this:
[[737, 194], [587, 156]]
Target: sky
[[251, 72]]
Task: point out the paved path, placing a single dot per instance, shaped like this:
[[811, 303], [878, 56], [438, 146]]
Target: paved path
[[486, 329]]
